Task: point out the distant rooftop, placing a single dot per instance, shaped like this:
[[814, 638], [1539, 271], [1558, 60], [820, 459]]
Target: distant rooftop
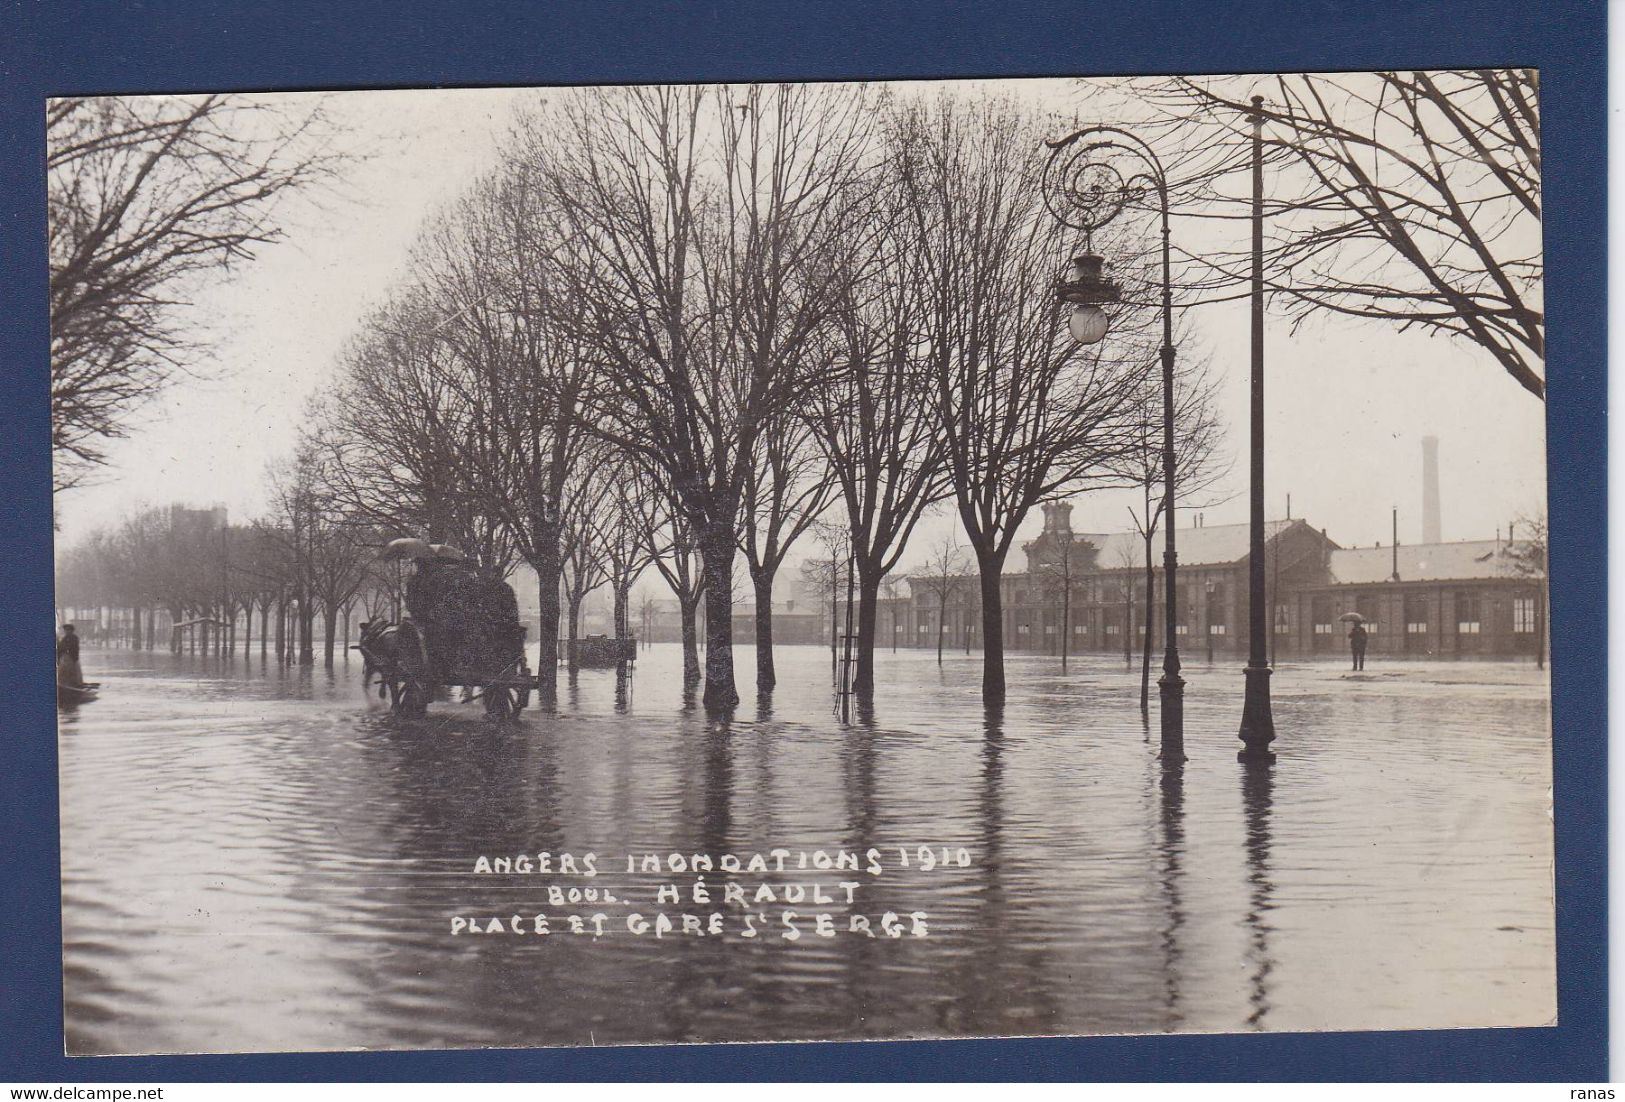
[[1207, 546], [1426, 562]]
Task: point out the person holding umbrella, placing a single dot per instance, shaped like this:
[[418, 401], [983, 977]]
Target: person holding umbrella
[[1358, 637]]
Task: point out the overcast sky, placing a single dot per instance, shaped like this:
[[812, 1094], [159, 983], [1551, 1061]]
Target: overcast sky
[[1348, 402]]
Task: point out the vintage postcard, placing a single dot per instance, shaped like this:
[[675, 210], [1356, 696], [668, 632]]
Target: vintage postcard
[[714, 563]]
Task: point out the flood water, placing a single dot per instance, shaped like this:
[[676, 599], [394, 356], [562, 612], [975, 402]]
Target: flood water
[[257, 858]]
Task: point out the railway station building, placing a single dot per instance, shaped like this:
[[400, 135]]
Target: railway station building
[[1477, 598]]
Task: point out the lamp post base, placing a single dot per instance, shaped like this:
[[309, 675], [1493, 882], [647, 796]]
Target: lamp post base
[[1257, 722], [1171, 688]]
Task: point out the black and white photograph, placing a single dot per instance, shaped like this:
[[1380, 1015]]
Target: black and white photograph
[[700, 563]]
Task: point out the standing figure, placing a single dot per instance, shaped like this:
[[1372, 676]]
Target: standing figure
[[1357, 641], [67, 659]]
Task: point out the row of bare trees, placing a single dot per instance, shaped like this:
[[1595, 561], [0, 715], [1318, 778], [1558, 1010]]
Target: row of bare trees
[[682, 326], [292, 578]]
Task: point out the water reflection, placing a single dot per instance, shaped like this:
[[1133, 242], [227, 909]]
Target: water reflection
[[1171, 856], [1257, 796], [623, 688], [291, 857]]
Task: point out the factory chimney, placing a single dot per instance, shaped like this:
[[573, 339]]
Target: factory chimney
[[1430, 490]]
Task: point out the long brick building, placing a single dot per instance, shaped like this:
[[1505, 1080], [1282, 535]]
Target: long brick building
[[1467, 599]]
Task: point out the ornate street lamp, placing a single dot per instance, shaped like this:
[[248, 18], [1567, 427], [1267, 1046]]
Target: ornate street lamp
[[1085, 191], [1087, 288]]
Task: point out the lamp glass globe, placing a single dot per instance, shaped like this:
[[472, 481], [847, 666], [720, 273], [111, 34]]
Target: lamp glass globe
[[1088, 324]]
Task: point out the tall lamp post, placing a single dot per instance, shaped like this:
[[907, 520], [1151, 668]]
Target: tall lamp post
[[1084, 191], [1257, 722]]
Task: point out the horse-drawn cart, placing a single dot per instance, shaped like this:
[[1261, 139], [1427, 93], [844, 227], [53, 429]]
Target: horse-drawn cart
[[461, 630]]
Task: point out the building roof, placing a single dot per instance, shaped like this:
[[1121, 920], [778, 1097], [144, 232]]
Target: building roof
[[1425, 562], [1207, 546]]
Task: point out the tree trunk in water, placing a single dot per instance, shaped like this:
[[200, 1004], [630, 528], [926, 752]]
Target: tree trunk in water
[[762, 583], [691, 643], [620, 589], [136, 614], [717, 550], [863, 682], [834, 618], [575, 629], [547, 613], [330, 632], [281, 630], [307, 632], [248, 630], [1066, 619], [991, 567], [1150, 608], [942, 623]]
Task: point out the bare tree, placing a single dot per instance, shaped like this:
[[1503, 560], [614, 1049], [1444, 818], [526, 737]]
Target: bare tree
[[1199, 465], [145, 195], [786, 490], [823, 575], [1026, 414], [946, 575], [707, 212], [875, 420], [587, 510], [675, 556], [1409, 197], [619, 533], [1058, 570]]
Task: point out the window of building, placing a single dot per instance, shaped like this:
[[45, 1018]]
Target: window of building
[[1523, 615], [1321, 615], [1080, 629], [1217, 629], [1467, 613], [1216, 607], [1366, 605], [1416, 614], [1022, 629], [1283, 620], [1114, 629]]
